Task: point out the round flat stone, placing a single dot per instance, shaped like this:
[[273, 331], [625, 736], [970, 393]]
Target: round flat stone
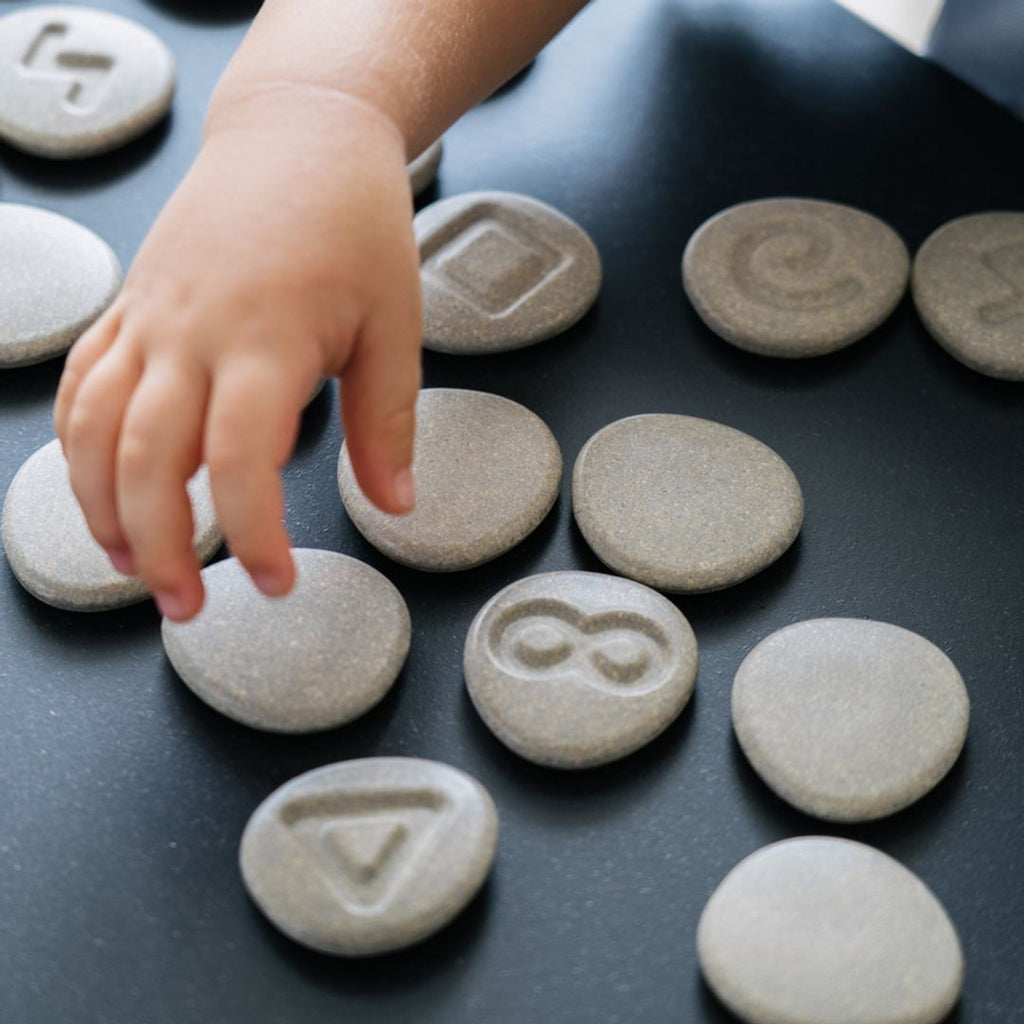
[[423, 170], [56, 278], [576, 669], [369, 856], [849, 719], [684, 504], [487, 472], [968, 286], [794, 277], [501, 271], [319, 657], [827, 931], [49, 547]]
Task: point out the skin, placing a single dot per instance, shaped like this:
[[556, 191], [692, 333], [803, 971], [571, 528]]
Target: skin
[[286, 254]]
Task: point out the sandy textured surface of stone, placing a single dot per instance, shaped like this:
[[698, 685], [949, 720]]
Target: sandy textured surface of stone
[[56, 278], [487, 472], [849, 719], [968, 286], [423, 170], [319, 657], [49, 547], [827, 931], [794, 277], [76, 81], [683, 504], [369, 856], [501, 271], [576, 669]]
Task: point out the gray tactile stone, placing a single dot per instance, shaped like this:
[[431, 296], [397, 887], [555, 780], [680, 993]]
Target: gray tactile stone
[[968, 286], [576, 669], [49, 547], [794, 277], [819, 930], [501, 271], [369, 856], [423, 170], [487, 472], [56, 278], [849, 719], [319, 657], [683, 504], [75, 81]]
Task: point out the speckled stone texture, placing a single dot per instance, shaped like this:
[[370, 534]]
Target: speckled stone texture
[[423, 170], [576, 669], [501, 271], [369, 856], [849, 719], [56, 278], [794, 277], [319, 657], [818, 930], [683, 504], [49, 547], [76, 81], [487, 472], [968, 285]]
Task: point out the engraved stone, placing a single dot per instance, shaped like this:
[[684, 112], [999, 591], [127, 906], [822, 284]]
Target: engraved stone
[[575, 669], [683, 504], [794, 277], [423, 170], [319, 657], [369, 856]]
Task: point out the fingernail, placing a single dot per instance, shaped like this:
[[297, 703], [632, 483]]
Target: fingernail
[[404, 490], [270, 584], [169, 604], [121, 559]]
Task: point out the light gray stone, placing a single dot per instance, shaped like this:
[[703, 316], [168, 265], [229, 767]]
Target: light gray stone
[[849, 719], [487, 472], [319, 657], [683, 504], [576, 669], [423, 170], [49, 547], [968, 286], [76, 81], [369, 856], [501, 271], [794, 277], [56, 278], [818, 930]]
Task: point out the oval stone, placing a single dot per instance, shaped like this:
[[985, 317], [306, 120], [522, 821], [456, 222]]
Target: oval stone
[[423, 170]]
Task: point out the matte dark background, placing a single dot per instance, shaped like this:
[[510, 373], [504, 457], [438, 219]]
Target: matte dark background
[[123, 797]]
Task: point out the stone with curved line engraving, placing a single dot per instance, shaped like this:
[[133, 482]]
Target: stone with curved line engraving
[[369, 856], [423, 170], [794, 277], [576, 669]]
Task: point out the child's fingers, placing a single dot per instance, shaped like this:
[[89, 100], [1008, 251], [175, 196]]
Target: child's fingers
[[84, 354]]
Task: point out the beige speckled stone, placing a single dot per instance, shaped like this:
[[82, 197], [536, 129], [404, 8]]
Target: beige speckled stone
[[56, 278], [319, 657], [683, 504], [849, 719], [794, 277], [487, 472], [369, 856], [501, 271], [423, 170], [76, 81], [818, 930], [968, 286], [576, 669], [49, 547]]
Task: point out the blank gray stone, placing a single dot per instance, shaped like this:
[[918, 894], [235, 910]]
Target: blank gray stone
[[423, 170], [827, 931], [487, 472], [683, 504], [369, 856], [319, 657], [53, 555], [968, 285], [76, 81], [794, 277], [56, 278], [576, 669], [501, 271], [849, 719]]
